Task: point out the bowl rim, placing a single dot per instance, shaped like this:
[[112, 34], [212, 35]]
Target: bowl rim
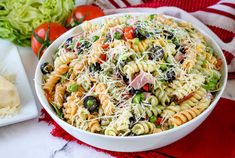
[[46, 105]]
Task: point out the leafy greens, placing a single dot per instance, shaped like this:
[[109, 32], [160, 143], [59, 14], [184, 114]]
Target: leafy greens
[[19, 17]]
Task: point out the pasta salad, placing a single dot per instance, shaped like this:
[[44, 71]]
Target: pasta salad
[[132, 75]]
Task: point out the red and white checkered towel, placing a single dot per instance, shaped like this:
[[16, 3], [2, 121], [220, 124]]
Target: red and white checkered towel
[[215, 17]]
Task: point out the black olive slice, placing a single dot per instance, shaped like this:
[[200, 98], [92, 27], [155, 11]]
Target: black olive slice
[[141, 33], [46, 68], [157, 52], [168, 34], [170, 74], [91, 103]]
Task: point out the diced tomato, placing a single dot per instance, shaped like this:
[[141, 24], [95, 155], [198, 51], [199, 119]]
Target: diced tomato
[[129, 33], [102, 57], [78, 44], [105, 46], [159, 120], [146, 87], [219, 63]]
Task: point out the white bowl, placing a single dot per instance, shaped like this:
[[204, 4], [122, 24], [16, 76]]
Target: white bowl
[[132, 143]]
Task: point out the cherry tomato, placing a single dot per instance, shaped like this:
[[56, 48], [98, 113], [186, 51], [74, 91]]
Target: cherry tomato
[[129, 33], [105, 46], [83, 13], [43, 35], [146, 87], [78, 44], [159, 120], [102, 57]]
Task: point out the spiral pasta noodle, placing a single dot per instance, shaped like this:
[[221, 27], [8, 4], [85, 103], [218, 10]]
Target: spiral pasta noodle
[[190, 61], [157, 110], [72, 103], [123, 122], [153, 100], [157, 130], [64, 59], [115, 86], [83, 113], [93, 124], [80, 123], [162, 97], [197, 68], [140, 46], [104, 122], [113, 22], [106, 103], [143, 127], [188, 114], [210, 58], [70, 109], [111, 131], [182, 89], [54, 78], [170, 110], [59, 95], [192, 101], [79, 67], [141, 111], [89, 27], [133, 67]]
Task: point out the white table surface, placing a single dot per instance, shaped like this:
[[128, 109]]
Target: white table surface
[[32, 139]]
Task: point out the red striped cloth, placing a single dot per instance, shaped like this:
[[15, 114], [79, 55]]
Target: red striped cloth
[[219, 16]]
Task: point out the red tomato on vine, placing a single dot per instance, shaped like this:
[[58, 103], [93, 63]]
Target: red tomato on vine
[[83, 13], [44, 35]]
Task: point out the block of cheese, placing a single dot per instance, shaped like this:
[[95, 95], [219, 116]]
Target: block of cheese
[[9, 98]]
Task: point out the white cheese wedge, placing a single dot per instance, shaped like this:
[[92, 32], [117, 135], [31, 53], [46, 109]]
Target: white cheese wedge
[[9, 98]]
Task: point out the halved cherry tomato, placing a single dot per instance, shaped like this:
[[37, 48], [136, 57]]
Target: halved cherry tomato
[[43, 35], [219, 63], [129, 33], [105, 46], [159, 120], [83, 13], [102, 57], [146, 87], [78, 44]]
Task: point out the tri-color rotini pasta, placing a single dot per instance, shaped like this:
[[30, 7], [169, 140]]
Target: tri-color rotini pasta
[[132, 75]]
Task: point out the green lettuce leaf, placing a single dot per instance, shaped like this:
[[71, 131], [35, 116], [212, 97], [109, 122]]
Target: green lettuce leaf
[[19, 17]]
